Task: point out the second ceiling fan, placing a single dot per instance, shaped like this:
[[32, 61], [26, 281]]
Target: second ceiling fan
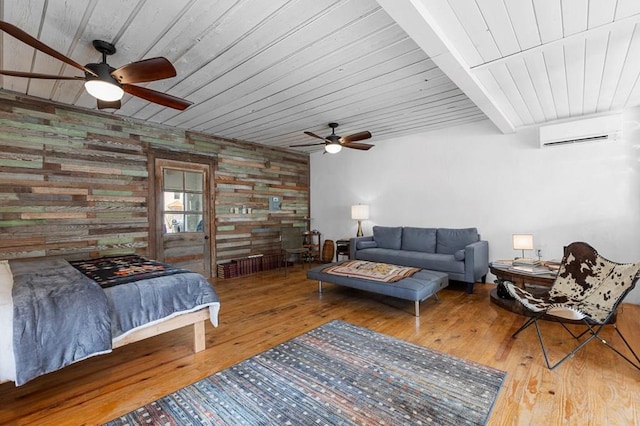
[[334, 143]]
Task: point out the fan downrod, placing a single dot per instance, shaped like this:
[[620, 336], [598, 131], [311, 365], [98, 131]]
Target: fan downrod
[[104, 47]]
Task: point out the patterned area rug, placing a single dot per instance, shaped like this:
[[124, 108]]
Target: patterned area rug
[[376, 271], [336, 374]]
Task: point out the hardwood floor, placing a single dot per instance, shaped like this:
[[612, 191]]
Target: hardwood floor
[[595, 387]]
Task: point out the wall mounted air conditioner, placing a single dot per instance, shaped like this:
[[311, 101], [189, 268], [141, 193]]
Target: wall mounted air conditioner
[[602, 128]]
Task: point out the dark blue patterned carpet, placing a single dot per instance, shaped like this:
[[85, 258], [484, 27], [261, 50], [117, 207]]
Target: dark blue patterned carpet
[[336, 374]]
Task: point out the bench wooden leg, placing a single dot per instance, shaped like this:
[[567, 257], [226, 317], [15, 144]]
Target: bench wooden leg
[[417, 308], [198, 336]]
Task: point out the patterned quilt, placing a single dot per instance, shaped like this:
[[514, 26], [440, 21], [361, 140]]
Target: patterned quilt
[[116, 270], [371, 270]]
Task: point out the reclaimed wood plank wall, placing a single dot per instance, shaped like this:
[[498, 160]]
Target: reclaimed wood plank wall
[[75, 183]]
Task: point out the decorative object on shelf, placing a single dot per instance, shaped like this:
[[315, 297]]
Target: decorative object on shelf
[[523, 242], [360, 212]]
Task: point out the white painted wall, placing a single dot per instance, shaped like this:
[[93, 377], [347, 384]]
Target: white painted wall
[[473, 175]]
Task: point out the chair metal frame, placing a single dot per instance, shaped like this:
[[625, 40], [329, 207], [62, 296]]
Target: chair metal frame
[[288, 248], [593, 326], [593, 329]]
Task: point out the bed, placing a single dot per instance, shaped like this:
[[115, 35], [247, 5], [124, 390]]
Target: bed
[[55, 312]]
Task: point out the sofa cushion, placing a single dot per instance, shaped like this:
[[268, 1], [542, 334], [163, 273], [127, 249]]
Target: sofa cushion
[[432, 261], [419, 239], [361, 245], [459, 255], [388, 237], [452, 240]]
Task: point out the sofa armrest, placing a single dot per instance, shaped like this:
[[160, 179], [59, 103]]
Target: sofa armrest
[[476, 261], [353, 243]]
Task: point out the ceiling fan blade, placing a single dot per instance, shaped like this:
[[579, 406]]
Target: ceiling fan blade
[[151, 69], [356, 137], [108, 104], [306, 144], [37, 44], [157, 97], [42, 76], [360, 146], [316, 136]]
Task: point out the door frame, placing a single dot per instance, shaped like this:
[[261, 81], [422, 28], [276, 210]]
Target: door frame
[[180, 160]]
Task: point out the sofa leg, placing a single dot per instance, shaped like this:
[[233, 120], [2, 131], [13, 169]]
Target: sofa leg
[[484, 279], [470, 288]]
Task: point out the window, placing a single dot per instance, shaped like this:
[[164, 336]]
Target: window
[[183, 201]]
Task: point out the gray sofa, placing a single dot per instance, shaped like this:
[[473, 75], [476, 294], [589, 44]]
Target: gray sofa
[[458, 252]]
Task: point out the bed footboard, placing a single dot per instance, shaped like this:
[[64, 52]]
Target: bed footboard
[[196, 319]]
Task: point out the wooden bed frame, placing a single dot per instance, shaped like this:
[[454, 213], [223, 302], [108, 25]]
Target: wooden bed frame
[[196, 318]]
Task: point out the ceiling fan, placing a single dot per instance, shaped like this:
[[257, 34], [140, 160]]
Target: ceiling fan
[[105, 83], [334, 143]]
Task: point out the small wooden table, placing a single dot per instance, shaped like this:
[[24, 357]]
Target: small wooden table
[[536, 282], [522, 278], [342, 248]]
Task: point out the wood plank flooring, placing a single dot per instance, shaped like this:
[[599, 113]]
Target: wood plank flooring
[[595, 387]]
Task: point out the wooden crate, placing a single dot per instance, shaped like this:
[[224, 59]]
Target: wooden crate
[[228, 269], [249, 265]]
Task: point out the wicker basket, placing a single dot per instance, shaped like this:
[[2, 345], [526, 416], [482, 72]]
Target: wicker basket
[[327, 251]]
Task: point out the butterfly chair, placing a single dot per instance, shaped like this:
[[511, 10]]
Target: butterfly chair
[[587, 290], [291, 242]]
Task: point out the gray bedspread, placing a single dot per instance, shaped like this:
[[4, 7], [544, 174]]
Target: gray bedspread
[[140, 302], [60, 317]]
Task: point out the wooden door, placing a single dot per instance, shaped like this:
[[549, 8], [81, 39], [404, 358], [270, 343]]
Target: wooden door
[[183, 214]]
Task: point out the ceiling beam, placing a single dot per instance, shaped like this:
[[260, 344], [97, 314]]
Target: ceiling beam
[[414, 18]]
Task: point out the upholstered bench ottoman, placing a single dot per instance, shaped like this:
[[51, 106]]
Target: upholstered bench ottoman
[[418, 287]]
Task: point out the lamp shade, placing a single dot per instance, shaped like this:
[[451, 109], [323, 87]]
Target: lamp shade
[[522, 242], [333, 148], [360, 212]]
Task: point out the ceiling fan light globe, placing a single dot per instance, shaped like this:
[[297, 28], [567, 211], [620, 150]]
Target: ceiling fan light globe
[[104, 90], [333, 148]]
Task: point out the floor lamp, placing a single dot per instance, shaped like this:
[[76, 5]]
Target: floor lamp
[[360, 212]]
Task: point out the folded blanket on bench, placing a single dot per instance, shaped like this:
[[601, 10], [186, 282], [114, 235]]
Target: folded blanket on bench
[[371, 270]]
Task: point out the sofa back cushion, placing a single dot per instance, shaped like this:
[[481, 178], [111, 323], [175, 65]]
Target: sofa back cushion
[[388, 237], [361, 245], [419, 239], [452, 240]]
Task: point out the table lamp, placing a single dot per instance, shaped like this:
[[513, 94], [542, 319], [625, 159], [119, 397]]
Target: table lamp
[[522, 242], [360, 212]]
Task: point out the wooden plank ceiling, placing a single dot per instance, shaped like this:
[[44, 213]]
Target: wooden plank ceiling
[[265, 71]]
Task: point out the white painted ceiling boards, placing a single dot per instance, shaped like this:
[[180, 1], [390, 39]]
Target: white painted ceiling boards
[[265, 71]]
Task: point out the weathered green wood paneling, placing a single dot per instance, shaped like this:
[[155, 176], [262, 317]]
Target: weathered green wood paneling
[[75, 183]]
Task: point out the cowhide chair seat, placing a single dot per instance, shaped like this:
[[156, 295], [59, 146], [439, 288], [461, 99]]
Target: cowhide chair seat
[[588, 289]]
